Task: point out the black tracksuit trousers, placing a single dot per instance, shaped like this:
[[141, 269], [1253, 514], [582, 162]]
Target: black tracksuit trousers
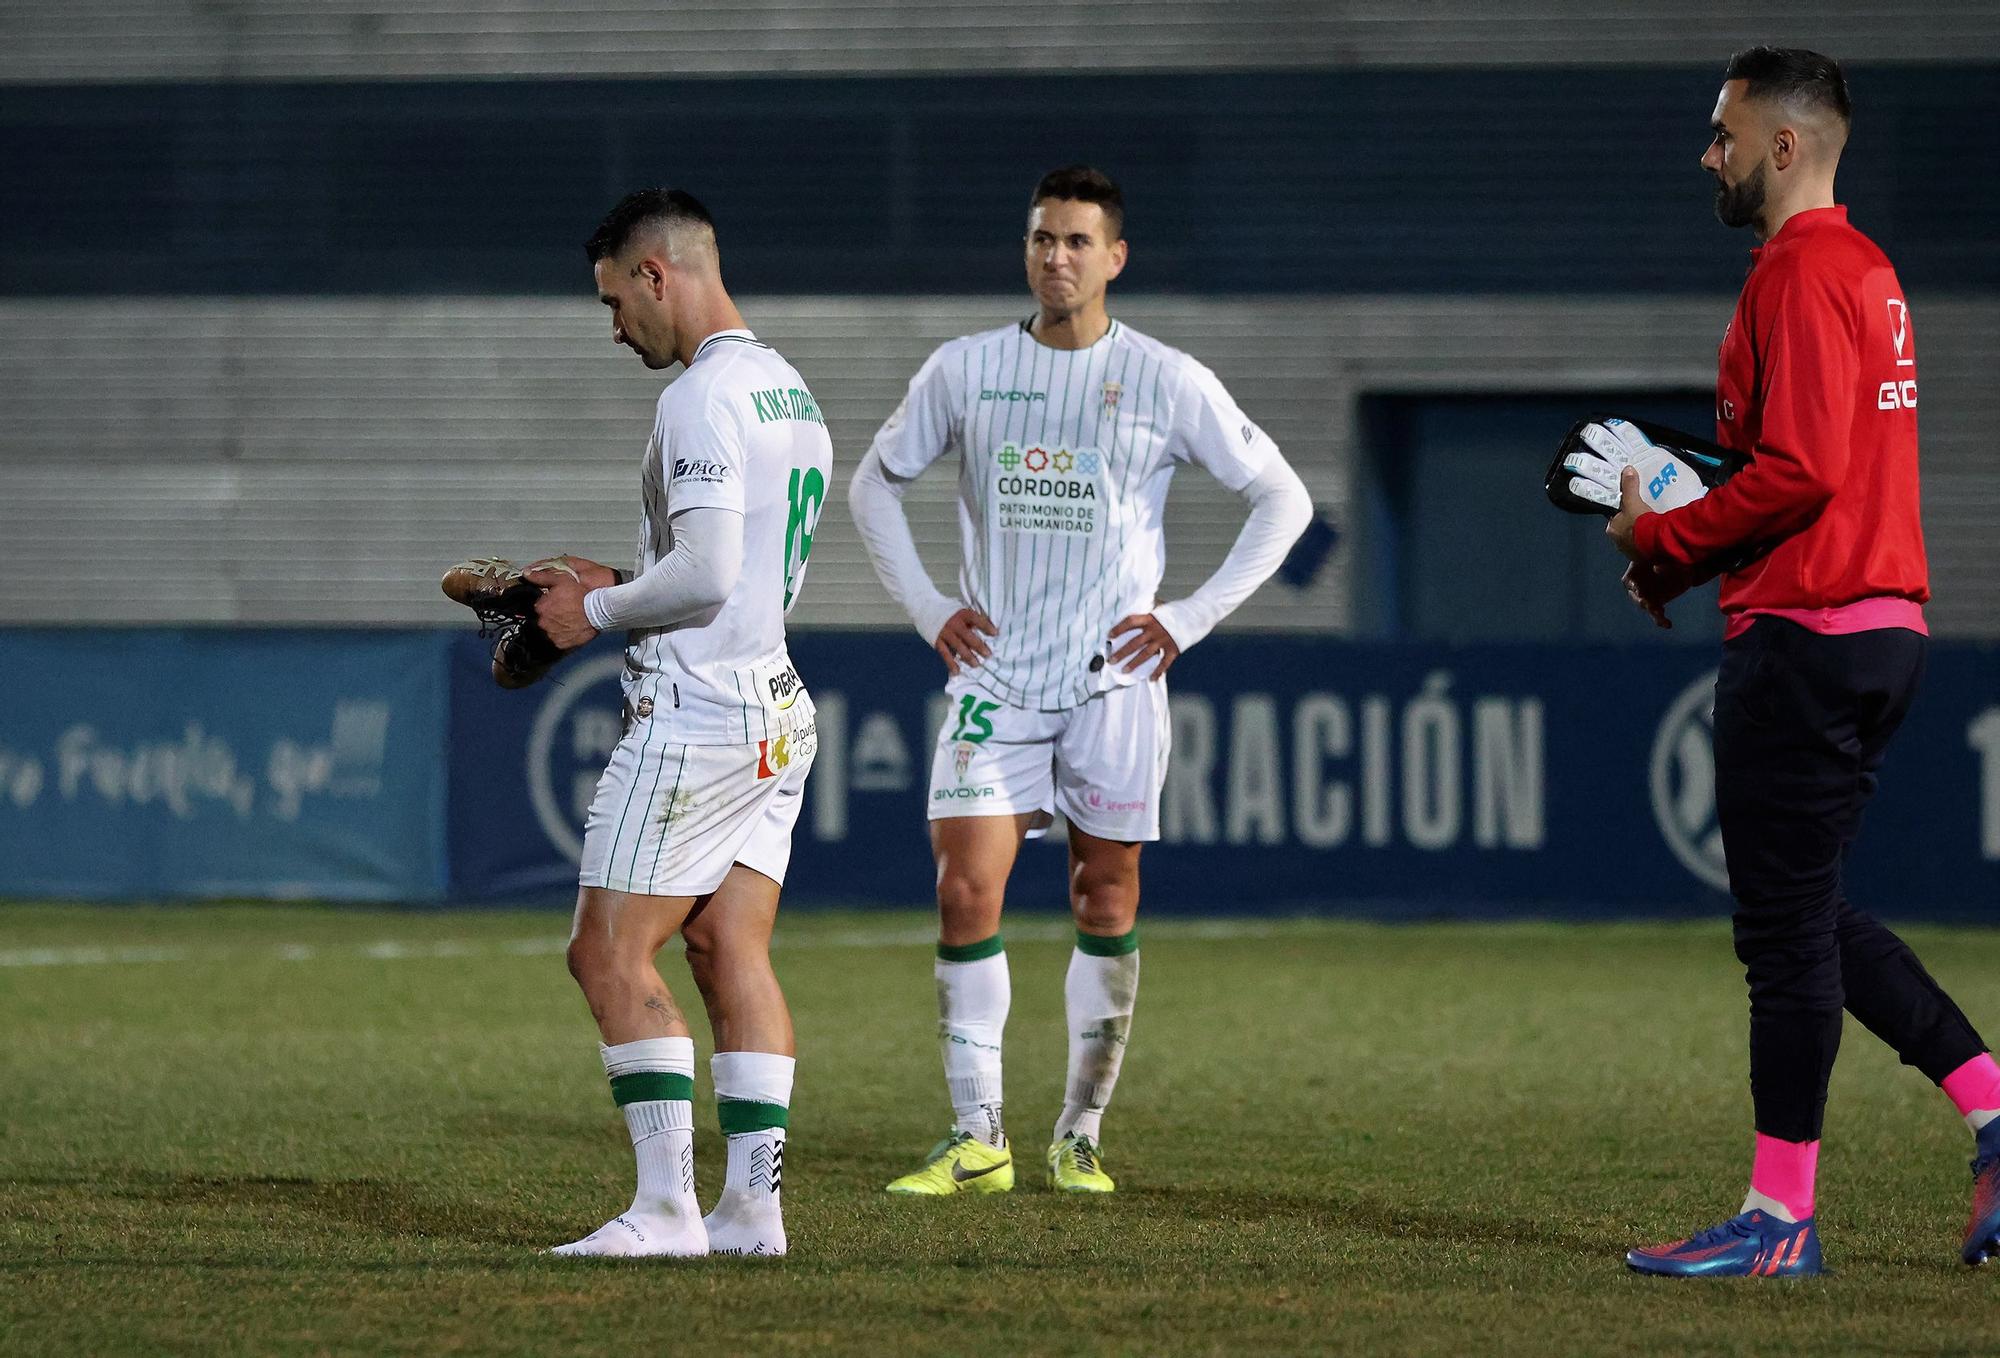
[[1801, 724]]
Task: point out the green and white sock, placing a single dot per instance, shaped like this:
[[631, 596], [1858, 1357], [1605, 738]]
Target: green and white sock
[[1098, 997], [974, 994], [753, 1096], [652, 1081]]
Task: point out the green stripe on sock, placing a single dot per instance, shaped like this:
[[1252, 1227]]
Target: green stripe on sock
[[741, 1115], [1096, 945], [972, 952], [649, 1086]]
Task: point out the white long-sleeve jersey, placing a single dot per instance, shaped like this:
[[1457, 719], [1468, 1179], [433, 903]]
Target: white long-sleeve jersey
[[738, 431], [1065, 458]]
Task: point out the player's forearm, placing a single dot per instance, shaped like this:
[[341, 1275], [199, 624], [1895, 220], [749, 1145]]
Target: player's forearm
[[875, 498], [696, 576], [1775, 497], [1280, 508]]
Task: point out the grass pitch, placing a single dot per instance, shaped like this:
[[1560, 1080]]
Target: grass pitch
[[284, 1130]]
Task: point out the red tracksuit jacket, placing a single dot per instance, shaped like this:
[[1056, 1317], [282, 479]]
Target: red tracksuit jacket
[[1818, 383]]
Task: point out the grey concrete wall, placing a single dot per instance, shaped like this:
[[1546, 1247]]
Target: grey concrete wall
[[320, 461], [65, 40]]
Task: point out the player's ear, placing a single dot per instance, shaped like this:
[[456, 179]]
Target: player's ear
[[654, 275], [1118, 253], [1784, 147]]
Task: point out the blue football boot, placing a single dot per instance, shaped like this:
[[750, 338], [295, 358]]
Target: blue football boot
[[1749, 1245], [1982, 1229]]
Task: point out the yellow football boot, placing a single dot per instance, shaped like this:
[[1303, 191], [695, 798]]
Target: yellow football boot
[[961, 1163], [1074, 1167]]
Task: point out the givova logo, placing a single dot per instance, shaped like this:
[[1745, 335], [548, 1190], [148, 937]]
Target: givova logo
[[996, 394], [1682, 783]]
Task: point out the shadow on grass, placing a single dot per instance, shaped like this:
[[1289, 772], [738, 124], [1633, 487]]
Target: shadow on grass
[[383, 1209], [1389, 1220]]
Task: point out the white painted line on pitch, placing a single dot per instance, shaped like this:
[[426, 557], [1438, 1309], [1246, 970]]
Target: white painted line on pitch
[[90, 957], [400, 950]]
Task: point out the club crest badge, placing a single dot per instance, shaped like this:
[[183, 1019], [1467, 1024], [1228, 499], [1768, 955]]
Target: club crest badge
[[961, 758], [1112, 392]]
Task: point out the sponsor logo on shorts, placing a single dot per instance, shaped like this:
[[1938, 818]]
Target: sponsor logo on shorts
[[774, 756], [1097, 801], [784, 688], [963, 794]]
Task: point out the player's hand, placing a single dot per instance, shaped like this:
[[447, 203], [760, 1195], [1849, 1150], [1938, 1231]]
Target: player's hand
[[1653, 586], [1149, 638], [1630, 506], [959, 641], [563, 582], [590, 574]]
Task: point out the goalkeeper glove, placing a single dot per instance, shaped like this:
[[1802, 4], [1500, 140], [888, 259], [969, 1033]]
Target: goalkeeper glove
[[1674, 469]]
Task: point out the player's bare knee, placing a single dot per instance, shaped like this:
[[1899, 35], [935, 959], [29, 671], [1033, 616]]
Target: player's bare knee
[[600, 968], [967, 897], [1106, 910]]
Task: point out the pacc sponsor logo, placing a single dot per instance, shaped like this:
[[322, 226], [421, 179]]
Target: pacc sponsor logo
[[1682, 783], [694, 469]]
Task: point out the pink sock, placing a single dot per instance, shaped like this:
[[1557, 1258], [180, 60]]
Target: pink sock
[[1974, 1085], [1783, 1171]]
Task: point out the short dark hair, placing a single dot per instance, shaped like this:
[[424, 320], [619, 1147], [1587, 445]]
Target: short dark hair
[[643, 208], [1795, 76], [1082, 184]]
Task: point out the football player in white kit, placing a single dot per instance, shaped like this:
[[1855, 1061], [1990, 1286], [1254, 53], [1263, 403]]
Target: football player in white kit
[[1068, 427], [691, 827]]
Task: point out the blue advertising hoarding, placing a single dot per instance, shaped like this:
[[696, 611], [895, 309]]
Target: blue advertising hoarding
[[1395, 780], [153, 764], [1410, 780]]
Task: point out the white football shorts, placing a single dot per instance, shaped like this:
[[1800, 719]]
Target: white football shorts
[[670, 820], [1103, 764]]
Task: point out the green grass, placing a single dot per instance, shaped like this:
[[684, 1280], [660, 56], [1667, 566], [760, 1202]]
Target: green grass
[[250, 1130]]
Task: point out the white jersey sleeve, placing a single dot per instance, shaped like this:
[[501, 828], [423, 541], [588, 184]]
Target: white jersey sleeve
[[704, 457], [928, 422], [1211, 431]]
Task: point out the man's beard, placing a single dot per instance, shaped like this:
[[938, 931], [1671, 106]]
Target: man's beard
[[1743, 204]]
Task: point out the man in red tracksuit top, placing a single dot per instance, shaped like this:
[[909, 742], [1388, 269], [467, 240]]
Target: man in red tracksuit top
[[1821, 552]]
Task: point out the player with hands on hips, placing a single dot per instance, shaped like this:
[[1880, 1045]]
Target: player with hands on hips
[[1066, 428]]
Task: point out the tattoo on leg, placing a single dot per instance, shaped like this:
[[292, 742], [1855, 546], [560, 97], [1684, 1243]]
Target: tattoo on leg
[[665, 1008]]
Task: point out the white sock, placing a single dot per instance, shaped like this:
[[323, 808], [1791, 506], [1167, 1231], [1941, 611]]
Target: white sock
[[1753, 1201], [1098, 997], [973, 995], [653, 1081], [1977, 1118], [753, 1095]]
